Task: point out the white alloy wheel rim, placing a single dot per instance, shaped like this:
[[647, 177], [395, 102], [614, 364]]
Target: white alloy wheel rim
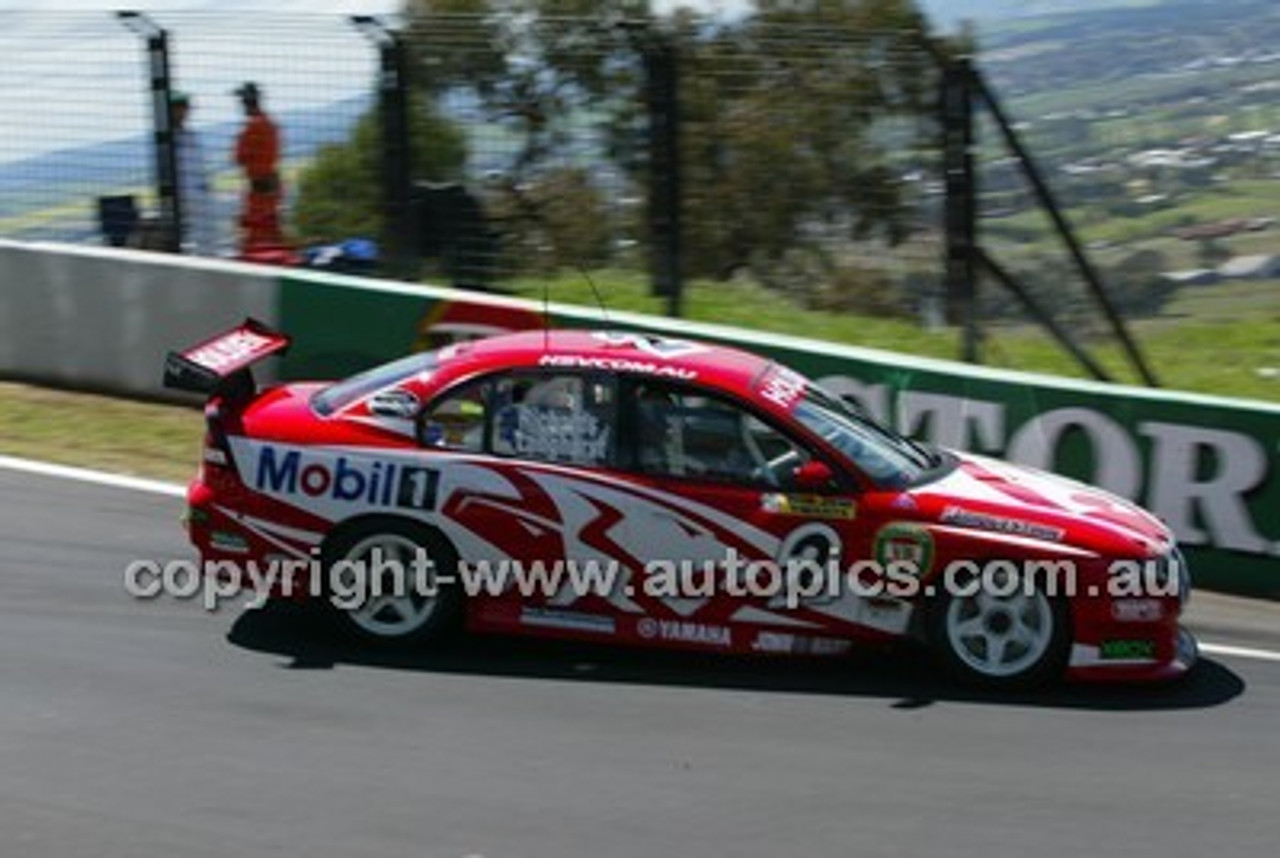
[[1000, 636], [393, 604]]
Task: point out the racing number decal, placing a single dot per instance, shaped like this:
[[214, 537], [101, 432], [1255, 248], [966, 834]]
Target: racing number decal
[[805, 559]]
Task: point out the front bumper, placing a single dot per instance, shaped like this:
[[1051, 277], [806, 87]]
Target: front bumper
[[1171, 659]]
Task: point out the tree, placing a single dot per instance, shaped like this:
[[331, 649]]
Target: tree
[[340, 192], [788, 115], [1139, 289], [560, 221], [789, 130], [546, 75]]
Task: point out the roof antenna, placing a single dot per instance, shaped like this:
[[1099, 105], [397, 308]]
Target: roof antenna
[[604, 311], [533, 210], [546, 315]]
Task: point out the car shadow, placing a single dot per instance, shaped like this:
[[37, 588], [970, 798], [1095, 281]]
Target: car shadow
[[905, 676]]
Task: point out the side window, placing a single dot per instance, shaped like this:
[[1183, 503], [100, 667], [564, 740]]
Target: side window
[[685, 433], [457, 421], [555, 418]]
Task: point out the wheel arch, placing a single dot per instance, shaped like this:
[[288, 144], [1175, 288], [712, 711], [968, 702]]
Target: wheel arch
[[370, 522]]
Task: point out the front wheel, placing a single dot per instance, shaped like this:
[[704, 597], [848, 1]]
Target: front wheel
[[1008, 640], [385, 582]]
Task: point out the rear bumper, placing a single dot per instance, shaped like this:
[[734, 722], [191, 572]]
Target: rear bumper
[[250, 551]]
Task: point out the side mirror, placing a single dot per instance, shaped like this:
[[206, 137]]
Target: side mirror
[[813, 476], [395, 403]]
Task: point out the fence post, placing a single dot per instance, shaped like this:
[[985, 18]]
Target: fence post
[[168, 190], [1041, 188], [397, 145], [961, 202], [662, 91]]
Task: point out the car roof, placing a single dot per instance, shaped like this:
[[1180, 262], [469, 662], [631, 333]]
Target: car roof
[[632, 353]]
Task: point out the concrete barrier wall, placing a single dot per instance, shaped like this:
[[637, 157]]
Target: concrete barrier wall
[[103, 319]]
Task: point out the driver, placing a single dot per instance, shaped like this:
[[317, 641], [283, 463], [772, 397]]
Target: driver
[[713, 444]]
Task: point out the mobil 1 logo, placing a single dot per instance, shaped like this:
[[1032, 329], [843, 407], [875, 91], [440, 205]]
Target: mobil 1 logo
[[349, 480]]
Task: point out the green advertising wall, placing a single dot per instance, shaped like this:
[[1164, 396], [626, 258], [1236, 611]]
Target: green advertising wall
[[1208, 466]]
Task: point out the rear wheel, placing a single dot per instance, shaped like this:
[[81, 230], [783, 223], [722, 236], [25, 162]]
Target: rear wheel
[[1013, 639], [384, 582]]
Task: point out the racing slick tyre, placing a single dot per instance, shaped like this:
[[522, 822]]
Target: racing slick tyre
[[1006, 636], [379, 590]]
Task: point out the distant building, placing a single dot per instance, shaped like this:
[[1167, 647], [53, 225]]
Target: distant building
[[1192, 277], [1220, 229], [1249, 137], [1262, 266], [1175, 159]]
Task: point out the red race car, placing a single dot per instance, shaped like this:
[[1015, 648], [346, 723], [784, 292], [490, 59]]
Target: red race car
[[626, 487]]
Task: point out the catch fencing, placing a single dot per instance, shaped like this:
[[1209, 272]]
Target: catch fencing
[[490, 153]]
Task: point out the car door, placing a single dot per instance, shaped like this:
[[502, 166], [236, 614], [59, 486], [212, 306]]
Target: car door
[[510, 448], [744, 519]]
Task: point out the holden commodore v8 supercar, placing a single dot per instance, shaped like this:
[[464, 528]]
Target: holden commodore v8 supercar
[[734, 505]]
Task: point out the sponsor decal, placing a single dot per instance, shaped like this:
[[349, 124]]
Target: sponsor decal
[[684, 632], [783, 386], [809, 506], [385, 484], [607, 364], [1127, 650], [773, 642], [822, 646], [904, 543], [576, 436], [1016, 527], [783, 642], [447, 323], [229, 351], [659, 347], [552, 618], [1137, 610]]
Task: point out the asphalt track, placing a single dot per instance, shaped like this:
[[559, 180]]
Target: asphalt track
[[140, 729]]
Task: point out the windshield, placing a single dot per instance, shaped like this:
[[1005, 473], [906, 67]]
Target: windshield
[[889, 459], [339, 395]]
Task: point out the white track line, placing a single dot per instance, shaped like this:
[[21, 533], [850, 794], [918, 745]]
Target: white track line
[[84, 475], [1240, 652], [139, 484]]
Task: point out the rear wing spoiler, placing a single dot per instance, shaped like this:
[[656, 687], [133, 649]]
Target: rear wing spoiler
[[222, 364]]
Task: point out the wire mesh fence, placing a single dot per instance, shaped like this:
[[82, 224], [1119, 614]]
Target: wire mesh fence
[[1158, 135], [77, 123], [553, 120], [814, 164], [804, 163], [806, 158], [78, 156]]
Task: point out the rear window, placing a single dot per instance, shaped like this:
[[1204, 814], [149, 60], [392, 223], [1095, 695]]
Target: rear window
[[341, 394]]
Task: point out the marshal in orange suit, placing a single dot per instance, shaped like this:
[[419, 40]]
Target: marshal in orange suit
[[258, 154]]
